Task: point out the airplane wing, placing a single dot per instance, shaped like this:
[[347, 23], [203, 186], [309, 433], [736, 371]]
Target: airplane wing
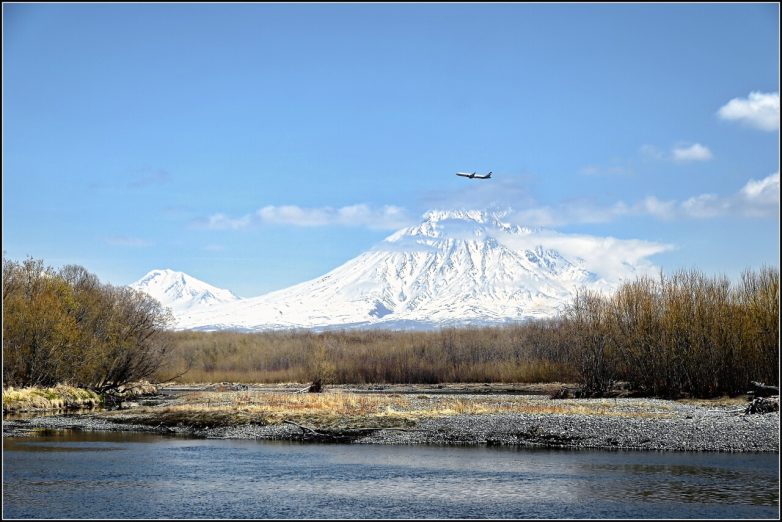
[[462, 174]]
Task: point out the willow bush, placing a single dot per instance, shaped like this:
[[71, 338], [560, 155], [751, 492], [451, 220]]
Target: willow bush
[[67, 327], [687, 334]]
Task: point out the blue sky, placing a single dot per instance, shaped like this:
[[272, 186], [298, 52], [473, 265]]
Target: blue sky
[[255, 146]]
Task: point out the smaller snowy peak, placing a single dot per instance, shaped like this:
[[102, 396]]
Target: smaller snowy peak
[[180, 291]]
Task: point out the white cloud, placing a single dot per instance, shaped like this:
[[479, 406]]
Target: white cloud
[[657, 208], [650, 151], [539, 217], [570, 212], [127, 241], [383, 218], [759, 110], [294, 215], [705, 206], [695, 152], [763, 192], [609, 257], [387, 217], [584, 212], [220, 221], [757, 198], [679, 153]]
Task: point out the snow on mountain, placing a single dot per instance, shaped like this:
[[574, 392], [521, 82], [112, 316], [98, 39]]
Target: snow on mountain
[[182, 292], [453, 268]]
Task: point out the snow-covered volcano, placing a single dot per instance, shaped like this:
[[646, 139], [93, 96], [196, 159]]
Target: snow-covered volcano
[[454, 268], [182, 292]]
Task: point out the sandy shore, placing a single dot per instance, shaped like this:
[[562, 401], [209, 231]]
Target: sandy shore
[[515, 416]]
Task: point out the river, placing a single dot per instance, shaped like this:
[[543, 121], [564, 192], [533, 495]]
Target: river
[[135, 475]]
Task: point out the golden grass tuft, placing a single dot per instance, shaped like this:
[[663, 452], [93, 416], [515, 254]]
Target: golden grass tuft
[[57, 398]]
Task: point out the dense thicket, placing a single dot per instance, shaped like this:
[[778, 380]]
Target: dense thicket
[[68, 327], [511, 354], [683, 334], [670, 336]]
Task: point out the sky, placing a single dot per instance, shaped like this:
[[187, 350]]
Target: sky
[[255, 146]]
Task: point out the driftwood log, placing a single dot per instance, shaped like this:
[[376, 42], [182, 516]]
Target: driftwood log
[[315, 387], [763, 390]]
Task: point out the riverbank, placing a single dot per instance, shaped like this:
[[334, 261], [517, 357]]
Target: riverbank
[[507, 415]]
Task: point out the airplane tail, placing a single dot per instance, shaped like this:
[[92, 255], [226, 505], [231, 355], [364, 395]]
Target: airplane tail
[[488, 175]]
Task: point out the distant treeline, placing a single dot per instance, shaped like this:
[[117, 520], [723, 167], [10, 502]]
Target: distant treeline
[[510, 354], [68, 327], [686, 334]]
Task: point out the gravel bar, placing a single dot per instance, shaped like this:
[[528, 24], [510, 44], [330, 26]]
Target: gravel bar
[[645, 424]]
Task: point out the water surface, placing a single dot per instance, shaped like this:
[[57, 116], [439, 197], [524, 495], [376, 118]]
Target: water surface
[[135, 475]]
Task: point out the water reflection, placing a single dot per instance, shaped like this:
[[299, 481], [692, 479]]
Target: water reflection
[[25, 415], [136, 475]]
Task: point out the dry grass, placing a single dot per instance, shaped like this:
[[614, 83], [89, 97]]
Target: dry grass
[[717, 401], [341, 409], [57, 398]]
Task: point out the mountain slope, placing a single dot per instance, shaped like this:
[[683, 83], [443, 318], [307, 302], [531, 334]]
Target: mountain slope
[[453, 268]]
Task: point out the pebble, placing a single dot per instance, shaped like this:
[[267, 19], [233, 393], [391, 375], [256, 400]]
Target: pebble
[[664, 425]]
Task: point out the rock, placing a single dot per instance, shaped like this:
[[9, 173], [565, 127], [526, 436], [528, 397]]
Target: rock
[[762, 405]]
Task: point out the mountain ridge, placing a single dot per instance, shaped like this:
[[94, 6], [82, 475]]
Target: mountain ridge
[[453, 268]]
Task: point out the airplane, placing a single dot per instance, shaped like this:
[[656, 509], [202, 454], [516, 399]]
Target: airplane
[[473, 175]]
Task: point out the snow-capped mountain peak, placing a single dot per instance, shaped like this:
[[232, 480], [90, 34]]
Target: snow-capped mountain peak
[[455, 267], [180, 291]]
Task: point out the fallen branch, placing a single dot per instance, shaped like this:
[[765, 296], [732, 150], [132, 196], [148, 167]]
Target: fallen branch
[[763, 390]]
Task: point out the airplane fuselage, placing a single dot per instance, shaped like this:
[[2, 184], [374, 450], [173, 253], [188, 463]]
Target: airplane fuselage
[[473, 175]]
